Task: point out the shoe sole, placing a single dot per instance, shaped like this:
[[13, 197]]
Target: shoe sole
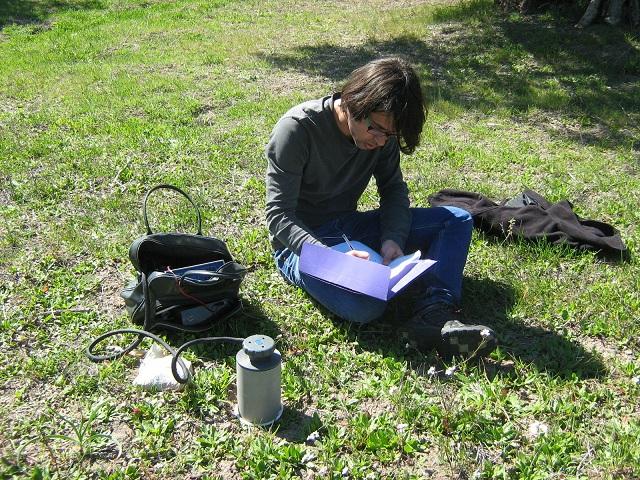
[[467, 341]]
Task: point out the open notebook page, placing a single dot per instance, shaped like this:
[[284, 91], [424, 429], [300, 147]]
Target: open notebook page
[[398, 267]]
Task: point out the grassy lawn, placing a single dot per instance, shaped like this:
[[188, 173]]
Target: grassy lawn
[[102, 99]]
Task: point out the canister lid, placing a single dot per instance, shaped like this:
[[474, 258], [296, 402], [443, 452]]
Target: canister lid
[[258, 347]]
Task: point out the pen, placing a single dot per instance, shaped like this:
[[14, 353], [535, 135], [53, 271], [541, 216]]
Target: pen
[[346, 239]]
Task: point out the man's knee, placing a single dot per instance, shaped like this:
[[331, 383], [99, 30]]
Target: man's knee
[[429, 216], [461, 214]]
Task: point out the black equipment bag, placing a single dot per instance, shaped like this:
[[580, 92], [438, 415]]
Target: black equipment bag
[[162, 299]]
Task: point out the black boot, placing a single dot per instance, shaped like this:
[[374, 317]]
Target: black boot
[[437, 327]]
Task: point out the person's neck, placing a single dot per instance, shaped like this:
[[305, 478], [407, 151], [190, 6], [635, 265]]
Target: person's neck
[[342, 119]]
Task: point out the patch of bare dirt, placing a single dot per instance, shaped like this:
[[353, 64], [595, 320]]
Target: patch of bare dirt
[[122, 433], [559, 125], [5, 195], [606, 350], [8, 105], [376, 406], [108, 300], [24, 402], [227, 470]]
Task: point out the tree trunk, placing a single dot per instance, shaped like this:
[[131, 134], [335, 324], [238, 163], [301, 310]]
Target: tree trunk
[[635, 12], [615, 12], [525, 5], [590, 14]]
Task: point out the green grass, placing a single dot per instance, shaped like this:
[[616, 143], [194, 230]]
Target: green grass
[[100, 100]]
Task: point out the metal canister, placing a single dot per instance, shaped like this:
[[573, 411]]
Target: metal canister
[[258, 372]]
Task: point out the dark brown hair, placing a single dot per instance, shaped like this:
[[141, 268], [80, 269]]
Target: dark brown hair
[[388, 85]]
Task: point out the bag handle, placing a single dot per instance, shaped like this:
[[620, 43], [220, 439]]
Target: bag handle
[[176, 189]]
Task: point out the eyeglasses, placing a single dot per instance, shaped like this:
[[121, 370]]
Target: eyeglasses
[[377, 132]]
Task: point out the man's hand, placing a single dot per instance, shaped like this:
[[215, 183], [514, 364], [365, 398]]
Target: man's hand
[[390, 250], [359, 254]]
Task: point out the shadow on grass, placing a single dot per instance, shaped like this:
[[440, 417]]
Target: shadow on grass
[[21, 12], [487, 302], [481, 61], [295, 425]]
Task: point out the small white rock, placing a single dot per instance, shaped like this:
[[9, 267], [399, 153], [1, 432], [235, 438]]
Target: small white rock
[[313, 437], [538, 428], [308, 457]]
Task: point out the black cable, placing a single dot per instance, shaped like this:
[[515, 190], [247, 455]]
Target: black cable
[[176, 356], [141, 335]]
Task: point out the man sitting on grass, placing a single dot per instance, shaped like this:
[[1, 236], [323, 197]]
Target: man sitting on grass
[[321, 156]]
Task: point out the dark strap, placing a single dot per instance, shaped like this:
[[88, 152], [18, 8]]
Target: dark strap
[[169, 187], [149, 307]]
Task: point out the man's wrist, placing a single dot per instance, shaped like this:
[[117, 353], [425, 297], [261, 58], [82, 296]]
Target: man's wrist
[[396, 239]]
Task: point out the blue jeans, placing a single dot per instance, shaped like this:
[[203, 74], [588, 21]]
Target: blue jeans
[[441, 233]]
